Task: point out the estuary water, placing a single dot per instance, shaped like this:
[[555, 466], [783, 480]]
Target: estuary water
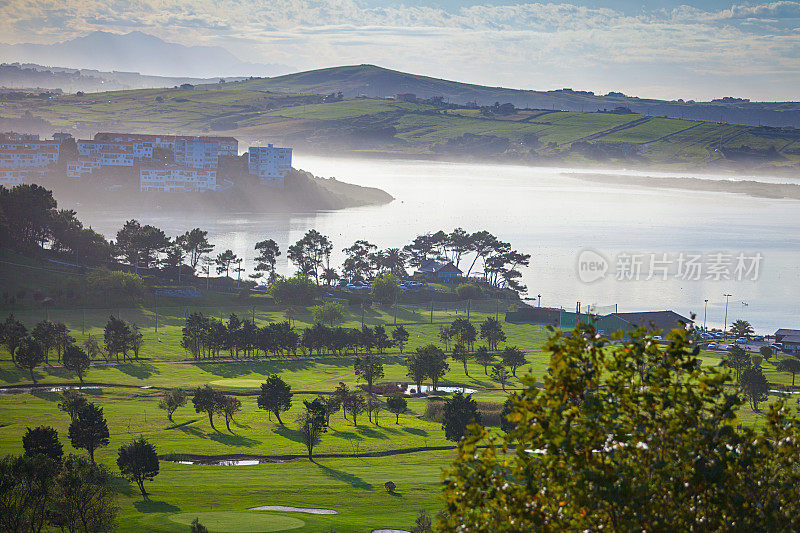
[[634, 246]]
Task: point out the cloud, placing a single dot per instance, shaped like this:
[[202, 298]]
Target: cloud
[[516, 44]]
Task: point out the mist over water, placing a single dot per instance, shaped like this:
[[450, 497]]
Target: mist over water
[[551, 214]]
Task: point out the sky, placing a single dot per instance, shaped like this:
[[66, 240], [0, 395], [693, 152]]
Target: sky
[[666, 49]]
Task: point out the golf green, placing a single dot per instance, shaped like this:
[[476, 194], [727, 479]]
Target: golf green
[[239, 521], [242, 383]]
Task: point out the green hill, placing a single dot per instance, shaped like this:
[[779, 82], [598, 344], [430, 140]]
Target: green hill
[[382, 126], [377, 82]]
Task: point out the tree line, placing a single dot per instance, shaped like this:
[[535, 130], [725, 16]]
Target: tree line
[[30, 220]]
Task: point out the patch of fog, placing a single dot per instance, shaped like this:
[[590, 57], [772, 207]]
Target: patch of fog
[[425, 389], [28, 390], [307, 510]]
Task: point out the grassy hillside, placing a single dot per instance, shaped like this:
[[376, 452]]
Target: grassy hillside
[[373, 125]]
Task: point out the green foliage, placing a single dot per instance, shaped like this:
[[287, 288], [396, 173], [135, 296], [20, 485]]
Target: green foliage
[[329, 312], [492, 332], [173, 399], [738, 360], [766, 352], [138, 462], [197, 527], [501, 375], [390, 487], [120, 287], [84, 496], [89, 429], [754, 385], [297, 291], [483, 358], [207, 400], [275, 397], [789, 365], [513, 357], [400, 336], [369, 369], [29, 356], [397, 405], [310, 431], [468, 291], [385, 289], [629, 436], [459, 412], [76, 360], [42, 440], [72, 402], [741, 328]]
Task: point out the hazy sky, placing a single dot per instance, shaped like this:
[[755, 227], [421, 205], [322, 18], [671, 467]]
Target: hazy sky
[[659, 49]]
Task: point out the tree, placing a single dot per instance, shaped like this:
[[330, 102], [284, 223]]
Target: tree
[[83, 499], [172, 400], [224, 261], [754, 385], [42, 440], [636, 451], [513, 357], [390, 487], [468, 291], [483, 358], [331, 404], [766, 352], [459, 412], [316, 410], [195, 243], [138, 462], [356, 404], [416, 369], [275, 397], [463, 330], [135, 340], [76, 360], [28, 210], [492, 332], [197, 527], [207, 400], [435, 363], [329, 312], [117, 336], [789, 365], [26, 484], [298, 291], [357, 265], [397, 405], [12, 331], [329, 275], [506, 424], [500, 375], [374, 407], [461, 354], [89, 430], [44, 333], [229, 405], [29, 355], [385, 289], [400, 336], [741, 328], [310, 432], [268, 253], [738, 360], [309, 253], [368, 368], [423, 523], [445, 334], [71, 402]]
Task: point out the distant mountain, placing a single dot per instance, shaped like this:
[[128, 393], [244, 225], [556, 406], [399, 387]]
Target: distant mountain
[[70, 80], [138, 52], [378, 82]]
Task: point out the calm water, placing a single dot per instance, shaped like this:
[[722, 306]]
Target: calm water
[[553, 216]]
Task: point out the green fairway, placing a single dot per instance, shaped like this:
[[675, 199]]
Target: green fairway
[[235, 522]]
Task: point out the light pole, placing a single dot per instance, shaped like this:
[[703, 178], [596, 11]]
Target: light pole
[[540, 299], [705, 315], [725, 329]]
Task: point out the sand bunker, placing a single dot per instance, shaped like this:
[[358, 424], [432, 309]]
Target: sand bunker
[[390, 531], [292, 509]]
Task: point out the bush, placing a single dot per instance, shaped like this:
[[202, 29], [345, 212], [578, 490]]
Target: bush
[[468, 291], [434, 410], [122, 286], [490, 413], [389, 486]]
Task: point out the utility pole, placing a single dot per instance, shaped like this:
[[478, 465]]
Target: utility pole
[[540, 299], [725, 330], [705, 315]]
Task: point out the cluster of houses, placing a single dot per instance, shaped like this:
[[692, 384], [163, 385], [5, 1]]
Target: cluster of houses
[[163, 162], [24, 153]]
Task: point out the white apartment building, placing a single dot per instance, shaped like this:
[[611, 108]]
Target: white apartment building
[[141, 149], [177, 179], [81, 167], [270, 164], [197, 153], [227, 146], [17, 158], [11, 176]]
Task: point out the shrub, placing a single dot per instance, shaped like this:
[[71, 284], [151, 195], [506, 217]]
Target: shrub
[[389, 486], [434, 410]]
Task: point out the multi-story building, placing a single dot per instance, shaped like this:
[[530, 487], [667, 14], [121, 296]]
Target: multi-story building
[[61, 136], [17, 137], [197, 153], [142, 149], [20, 157], [11, 176], [82, 166], [175, 178], [270, 164], [226, 146]]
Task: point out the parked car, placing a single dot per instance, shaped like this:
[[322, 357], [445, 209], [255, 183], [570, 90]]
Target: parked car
[[758, 338], [778, 346], [741, 340], [658, 338], [706, 336], [712, 345]]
